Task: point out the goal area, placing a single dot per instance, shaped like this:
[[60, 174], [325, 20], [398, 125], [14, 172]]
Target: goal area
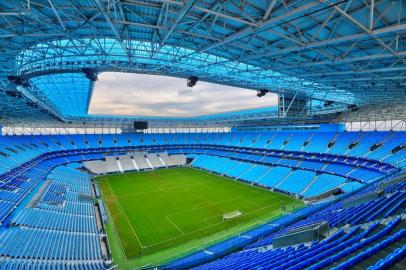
[[232, 215]]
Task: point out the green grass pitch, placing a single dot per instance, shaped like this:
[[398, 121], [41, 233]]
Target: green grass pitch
[[156, 210]]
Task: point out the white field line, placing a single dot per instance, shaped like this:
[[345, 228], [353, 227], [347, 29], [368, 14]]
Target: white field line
[[154, 190], [123, 212], [201, 205], [203, 228], [114, 225], [208, 223], [174, 224]]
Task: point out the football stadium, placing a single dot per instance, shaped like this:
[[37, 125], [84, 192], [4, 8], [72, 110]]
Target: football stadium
[[202, 134]]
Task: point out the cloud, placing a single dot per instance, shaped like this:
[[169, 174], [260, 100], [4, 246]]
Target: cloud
[[139, 94]]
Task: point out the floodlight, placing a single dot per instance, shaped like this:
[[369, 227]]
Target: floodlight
[[192, 80], [262, 92]]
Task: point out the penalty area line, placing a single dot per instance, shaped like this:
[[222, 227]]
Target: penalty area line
[[175, 225]]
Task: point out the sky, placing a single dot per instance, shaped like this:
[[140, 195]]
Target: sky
[[138, 94]]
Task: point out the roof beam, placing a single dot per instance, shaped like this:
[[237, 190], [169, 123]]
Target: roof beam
[[225, 16], [340, 80], [269, 10], [57, 15], [182, 14], [161, 18], [334, 41], [264, 25], [362, 27], [108, 20], [356, 72], [337, 62], [371, 15], [330, 19]]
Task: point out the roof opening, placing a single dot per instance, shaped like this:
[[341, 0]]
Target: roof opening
[[152, 95]]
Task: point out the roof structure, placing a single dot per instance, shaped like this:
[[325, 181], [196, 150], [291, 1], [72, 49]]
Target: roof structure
[[343, 52]]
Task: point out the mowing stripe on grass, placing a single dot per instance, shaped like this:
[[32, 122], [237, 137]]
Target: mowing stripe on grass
[[168, 208], [122, 211]]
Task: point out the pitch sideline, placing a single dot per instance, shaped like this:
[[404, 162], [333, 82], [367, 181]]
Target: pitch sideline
[[123, 212]]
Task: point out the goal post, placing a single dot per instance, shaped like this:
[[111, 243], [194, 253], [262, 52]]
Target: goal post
[[232, 215]]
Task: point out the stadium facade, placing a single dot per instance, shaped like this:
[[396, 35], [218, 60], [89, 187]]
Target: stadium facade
[[335, 142]]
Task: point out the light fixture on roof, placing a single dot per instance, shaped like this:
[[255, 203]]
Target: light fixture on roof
[[328, 103], [192, 80], [262, 92], [90, 73], [353, 107], [15, 94], [20, 81]]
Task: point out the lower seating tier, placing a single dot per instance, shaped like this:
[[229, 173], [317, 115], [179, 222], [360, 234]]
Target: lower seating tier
[[365, 229], [56, 228], [294, 181]]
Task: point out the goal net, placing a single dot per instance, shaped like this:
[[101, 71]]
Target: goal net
[[232, 215]]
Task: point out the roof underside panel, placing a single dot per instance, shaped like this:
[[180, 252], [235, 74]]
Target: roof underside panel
[[335, 50], [142, 57], [70, 92]]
